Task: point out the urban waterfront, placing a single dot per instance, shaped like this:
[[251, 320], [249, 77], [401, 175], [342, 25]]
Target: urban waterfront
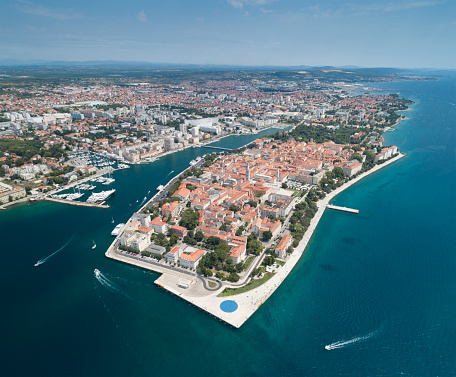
[[378, 286]]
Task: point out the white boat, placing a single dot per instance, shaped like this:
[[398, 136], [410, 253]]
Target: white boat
[[100, 196], [161, 187], [117, 229], [96, 272], [94, 245]]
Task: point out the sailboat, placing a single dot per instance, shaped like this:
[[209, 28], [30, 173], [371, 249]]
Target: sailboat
[[94, 245]]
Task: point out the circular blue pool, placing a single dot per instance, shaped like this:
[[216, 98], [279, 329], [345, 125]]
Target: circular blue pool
[[229, 306]]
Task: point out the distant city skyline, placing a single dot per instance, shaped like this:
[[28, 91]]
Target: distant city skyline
[[403, 33]]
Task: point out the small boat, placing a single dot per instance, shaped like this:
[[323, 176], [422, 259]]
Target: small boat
[[112, 221], [96, 272], [94, 245]]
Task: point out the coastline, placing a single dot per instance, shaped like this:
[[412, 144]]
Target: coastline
[[247, 302]]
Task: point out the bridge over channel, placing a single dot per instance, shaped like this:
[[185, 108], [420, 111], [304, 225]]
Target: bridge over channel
[[221, 148]]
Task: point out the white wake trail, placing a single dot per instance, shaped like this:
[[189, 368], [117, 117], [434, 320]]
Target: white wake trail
[[108, 284], [41, 261], [345, 343]]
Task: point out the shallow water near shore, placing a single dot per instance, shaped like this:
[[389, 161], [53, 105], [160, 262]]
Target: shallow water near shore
[[379, 286]]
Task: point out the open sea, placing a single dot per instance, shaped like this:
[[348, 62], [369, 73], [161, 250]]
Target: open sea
[[378, 288]]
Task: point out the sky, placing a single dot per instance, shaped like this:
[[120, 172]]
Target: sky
[[400, 33]]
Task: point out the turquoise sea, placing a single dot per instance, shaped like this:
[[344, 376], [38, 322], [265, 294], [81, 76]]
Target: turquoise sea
[[379, 288]]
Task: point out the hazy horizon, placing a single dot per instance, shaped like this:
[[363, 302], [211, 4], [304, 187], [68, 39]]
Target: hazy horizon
[[404, 33]]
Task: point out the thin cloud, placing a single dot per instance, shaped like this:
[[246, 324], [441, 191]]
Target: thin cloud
[[395, 6], [36, 9], [239, 4], [142, 16], [315, 11]]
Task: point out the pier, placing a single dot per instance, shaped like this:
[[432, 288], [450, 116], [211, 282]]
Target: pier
[[76, 203], [343, 209]]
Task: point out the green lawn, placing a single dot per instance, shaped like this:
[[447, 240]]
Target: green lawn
[[248, 262], [253, 283]]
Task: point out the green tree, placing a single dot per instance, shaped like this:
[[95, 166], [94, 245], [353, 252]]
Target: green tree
[[234, 208], [256, 271], [212, 242], [252, 203], [199, 236], [255, 247], [234, 277], [267, 236], [356, 156], [269, 260], [223, 227], [189, 219], [173, 239]]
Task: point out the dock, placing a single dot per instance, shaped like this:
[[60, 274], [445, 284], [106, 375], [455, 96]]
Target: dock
[[343, 209], [76, 203]]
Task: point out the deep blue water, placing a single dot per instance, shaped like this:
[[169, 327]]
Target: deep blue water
[[385, 278]]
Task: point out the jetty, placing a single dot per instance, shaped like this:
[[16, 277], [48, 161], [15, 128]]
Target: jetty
[[343, 209], [75, 203]]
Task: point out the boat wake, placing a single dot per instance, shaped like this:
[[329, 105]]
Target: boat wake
[[140, 204], [41, 261], [108, 284], [345, 343], [171, 172]]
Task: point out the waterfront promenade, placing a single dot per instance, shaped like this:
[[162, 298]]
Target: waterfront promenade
[[247, 302]]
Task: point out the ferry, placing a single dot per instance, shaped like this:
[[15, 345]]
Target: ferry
[[117, 229]]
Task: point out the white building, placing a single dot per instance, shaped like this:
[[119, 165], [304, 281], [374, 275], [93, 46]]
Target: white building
[[191, 259], [174, 254]]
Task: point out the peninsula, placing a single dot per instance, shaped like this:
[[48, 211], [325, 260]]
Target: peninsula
[[232, 228]]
